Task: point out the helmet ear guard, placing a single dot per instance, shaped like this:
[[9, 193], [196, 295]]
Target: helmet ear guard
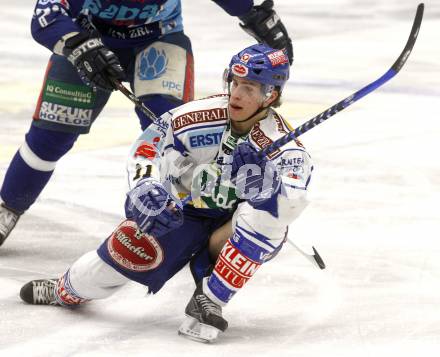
[[227, 79], [267, 90]]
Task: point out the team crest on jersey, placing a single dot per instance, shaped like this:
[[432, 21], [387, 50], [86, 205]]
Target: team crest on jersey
[[239, 70], [133, 250]]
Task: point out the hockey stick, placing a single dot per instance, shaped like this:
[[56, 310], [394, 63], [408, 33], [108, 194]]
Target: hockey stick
[[314, 258], [135, 100], [315, 121], [326, 114], [310, 124], [320, 118]]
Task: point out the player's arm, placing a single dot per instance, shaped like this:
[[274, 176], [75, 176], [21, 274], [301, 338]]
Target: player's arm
[[260, 20], [54, 26], [270, 217], [53, 21], [234, 7], [272, 209], [150, 202]]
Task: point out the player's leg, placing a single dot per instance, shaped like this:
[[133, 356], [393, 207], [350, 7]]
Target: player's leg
[[152, 261], [89, 278], [164, 75], [202, 263], [128, 254], [243, 253], [28, 173], [65, 109]]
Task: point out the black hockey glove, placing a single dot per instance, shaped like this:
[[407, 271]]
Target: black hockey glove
[[264, 24], [95, 63]]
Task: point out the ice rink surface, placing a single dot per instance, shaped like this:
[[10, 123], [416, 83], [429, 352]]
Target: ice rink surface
[[374, 214]]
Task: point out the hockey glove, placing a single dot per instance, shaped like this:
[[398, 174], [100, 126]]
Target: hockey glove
[[264, 24], [256, 186], [95, 63], [154, 210]]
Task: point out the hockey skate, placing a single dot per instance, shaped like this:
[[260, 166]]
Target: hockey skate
[[204, 320], [8, 220], [40, 292]]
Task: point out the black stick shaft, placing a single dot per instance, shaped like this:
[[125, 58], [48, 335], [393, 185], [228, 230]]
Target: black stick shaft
[[136, 101], [395, 68]]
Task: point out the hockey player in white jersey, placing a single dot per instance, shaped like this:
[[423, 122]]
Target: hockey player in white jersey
[[241, 203]]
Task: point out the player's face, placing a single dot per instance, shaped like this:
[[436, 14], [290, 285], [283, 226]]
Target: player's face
[[246, 98]]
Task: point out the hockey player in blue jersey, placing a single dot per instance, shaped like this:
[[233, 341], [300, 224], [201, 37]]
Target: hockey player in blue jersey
[[241, 203], [94, 43]]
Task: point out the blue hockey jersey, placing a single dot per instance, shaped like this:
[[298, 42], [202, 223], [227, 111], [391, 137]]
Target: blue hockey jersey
[[123, 23]]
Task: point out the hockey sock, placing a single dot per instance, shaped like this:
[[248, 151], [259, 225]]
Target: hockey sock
[[238, 261], [236, 264], [201, 265], [33, 165], [65, 294], [18, 192]]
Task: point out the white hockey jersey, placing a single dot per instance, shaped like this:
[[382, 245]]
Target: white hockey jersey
[[187, 146]]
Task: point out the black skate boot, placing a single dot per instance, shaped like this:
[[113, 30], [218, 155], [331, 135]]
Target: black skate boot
[[8, 220], [204, 320], [40, 292]]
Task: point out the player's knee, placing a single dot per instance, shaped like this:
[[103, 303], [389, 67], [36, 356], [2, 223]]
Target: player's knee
[[49, 145], [133, 251]]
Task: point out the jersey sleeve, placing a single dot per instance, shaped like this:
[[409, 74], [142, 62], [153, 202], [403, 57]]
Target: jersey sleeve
[[146, 158], [271, 219], [53, 19], [234, 7]]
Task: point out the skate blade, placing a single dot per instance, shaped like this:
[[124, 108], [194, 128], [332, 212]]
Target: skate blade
[[194, 330]]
